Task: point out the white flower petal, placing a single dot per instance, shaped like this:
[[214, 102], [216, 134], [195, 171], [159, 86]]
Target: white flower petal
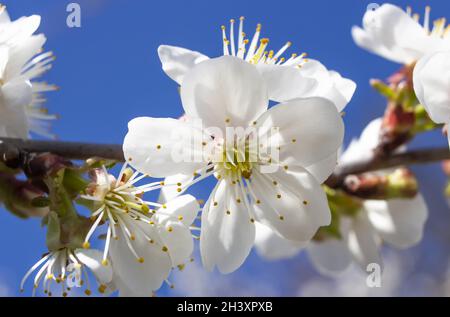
[[14, 98], [330, 256], [93, 260], [178, 239], [19, 30], [272, 246], [170, 192], [224, 91], [310, 130], [432, 90], [185, 207], [330, 84], [177, 61], [323, 169], [4, 58], [163, 147], [295, 206], [363, 242], [363, 147], [4, 16], [141, 278], [392, 33], [285, 83], [399, 222], [225, 239], [17, 93], [342, 91], [22, 53]]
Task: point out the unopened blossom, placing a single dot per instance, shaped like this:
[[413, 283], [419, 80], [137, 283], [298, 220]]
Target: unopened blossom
[[398, 222], [287, 78], [432, 85], [227, 94], [21, 63], [144, 240], [69, 269], [399, 36]]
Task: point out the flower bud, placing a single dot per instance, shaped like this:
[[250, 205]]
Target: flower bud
[[20, 197], [399, 184]]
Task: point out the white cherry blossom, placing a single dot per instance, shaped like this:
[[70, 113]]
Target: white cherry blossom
[[228, 93], [398, 222], [398, 36], [286, 78], [144, 240], [68, 269], [21, 62]]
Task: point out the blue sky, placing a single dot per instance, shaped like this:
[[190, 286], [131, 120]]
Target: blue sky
[[109, 73]]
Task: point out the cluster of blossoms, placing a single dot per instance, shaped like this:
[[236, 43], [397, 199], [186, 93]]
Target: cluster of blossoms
[[272, 163]]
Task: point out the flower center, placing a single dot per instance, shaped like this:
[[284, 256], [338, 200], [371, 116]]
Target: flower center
[[236, 162]]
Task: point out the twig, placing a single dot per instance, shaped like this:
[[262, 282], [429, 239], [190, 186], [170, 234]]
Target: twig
[[83, 151], [68, 150]]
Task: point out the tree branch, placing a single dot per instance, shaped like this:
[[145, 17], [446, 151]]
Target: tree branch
[[374, 163], [83, 151], [68, 150]]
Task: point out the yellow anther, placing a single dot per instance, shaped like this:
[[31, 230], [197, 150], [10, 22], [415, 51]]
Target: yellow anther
[[222, 27], [102, 289], [87, 292], [180, 218], [281, 218], [232, 21], [164, 206], [169, 229], [179, 190], [145, 208], [278, 196], [228, 212], [258, 27], [86, 245], [105, 262], [151, 241], [305, 202], [132, 237], [165, 249], [158, 147], [140, 260]]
